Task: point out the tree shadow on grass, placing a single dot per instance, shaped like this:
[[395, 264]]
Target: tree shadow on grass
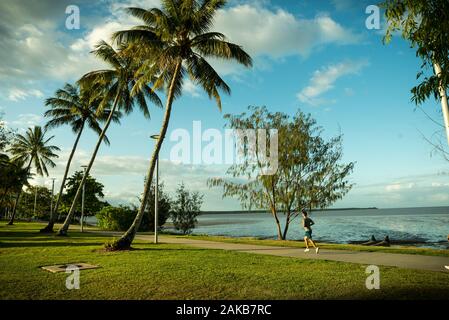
[[397, 294], [25, 244]]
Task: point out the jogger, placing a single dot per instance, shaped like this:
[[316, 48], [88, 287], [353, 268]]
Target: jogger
[[307, 224]]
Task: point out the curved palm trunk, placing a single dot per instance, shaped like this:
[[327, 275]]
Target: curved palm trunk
[[126, 240], [68, 219], [51, 222], [443, 97], [11, 221]]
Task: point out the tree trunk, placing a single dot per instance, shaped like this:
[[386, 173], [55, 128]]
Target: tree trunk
[[11, 221], [65, 226], [287, 224], [51, 222], [126, 239], [278, 224], [443, 97]]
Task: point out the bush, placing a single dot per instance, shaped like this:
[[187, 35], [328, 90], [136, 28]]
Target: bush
[[120, 218], [185, 209], [115, 218], [164, 207]]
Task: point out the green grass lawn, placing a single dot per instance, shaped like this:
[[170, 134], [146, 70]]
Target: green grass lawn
[[180, 272]]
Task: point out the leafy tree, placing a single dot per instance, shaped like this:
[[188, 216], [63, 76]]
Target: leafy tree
[[173, 42], [14, 177], [185, 209], [93, 195], [309, 173], [6, 135], [42, 196], [425, 24], [32, 148], [78, 108], [117, 84], [163, 213]]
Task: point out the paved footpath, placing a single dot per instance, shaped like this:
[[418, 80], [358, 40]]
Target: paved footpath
[[408, 261]]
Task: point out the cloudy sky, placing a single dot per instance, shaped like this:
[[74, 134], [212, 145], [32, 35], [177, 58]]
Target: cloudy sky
[[313, 55]]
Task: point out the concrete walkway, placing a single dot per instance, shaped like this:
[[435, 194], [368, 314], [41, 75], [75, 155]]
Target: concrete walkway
[[408, 261]]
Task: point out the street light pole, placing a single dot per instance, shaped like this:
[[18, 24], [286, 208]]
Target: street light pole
[[82, 201], [52, 194], [35, 201], [156, 185]]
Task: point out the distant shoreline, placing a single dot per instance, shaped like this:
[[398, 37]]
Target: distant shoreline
[[266, 211]]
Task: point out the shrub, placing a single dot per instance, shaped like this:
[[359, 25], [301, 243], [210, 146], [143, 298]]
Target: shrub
[[115, 218], [185, 209]]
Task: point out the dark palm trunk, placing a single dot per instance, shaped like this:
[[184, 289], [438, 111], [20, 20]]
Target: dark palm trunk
[[287, 224], [11, 221], [51, 222], [126, 240], [65, 226]]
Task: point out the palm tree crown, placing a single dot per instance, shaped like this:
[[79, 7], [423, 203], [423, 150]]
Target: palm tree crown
[[179, 32], [76, 107], [33, 148], [118, 81]]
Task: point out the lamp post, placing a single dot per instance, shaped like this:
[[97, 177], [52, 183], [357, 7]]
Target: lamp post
[[82, 201], [52, 194], [35, 201], [156, 138]]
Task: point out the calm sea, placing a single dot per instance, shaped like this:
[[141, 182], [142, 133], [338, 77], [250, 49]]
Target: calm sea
[[427, 225]]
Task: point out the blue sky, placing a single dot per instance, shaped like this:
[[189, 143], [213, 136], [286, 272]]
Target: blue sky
[[313, 55]]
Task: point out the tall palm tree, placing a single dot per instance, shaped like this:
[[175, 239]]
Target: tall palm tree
[[77, 107], [33, 148], [174, 42], [116, 83]]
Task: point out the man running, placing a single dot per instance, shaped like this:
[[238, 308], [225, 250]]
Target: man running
[[307, 223]]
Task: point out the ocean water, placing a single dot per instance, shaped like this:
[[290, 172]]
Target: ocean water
[[429, 226]]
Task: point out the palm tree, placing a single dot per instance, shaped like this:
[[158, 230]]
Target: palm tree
[[77, 107], [175, 41], [33, 148], [116, 83]]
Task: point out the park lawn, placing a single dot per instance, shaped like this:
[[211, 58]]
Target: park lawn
[[180, 272], [300, 244]]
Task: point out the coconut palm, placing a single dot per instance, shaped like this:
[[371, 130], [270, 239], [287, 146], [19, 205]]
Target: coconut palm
[[33, 148], [76, 107], [116, 83], [173, 42]]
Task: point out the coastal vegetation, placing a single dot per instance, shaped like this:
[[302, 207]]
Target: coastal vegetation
[[309, 173]]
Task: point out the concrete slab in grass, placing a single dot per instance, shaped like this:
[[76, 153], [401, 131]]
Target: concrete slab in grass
[[69, 266]]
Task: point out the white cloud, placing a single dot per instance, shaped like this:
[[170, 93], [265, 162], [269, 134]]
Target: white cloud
[[278, 34], [399, 186], [16, 94], [27, 120], [190, 88], [324, 80]]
